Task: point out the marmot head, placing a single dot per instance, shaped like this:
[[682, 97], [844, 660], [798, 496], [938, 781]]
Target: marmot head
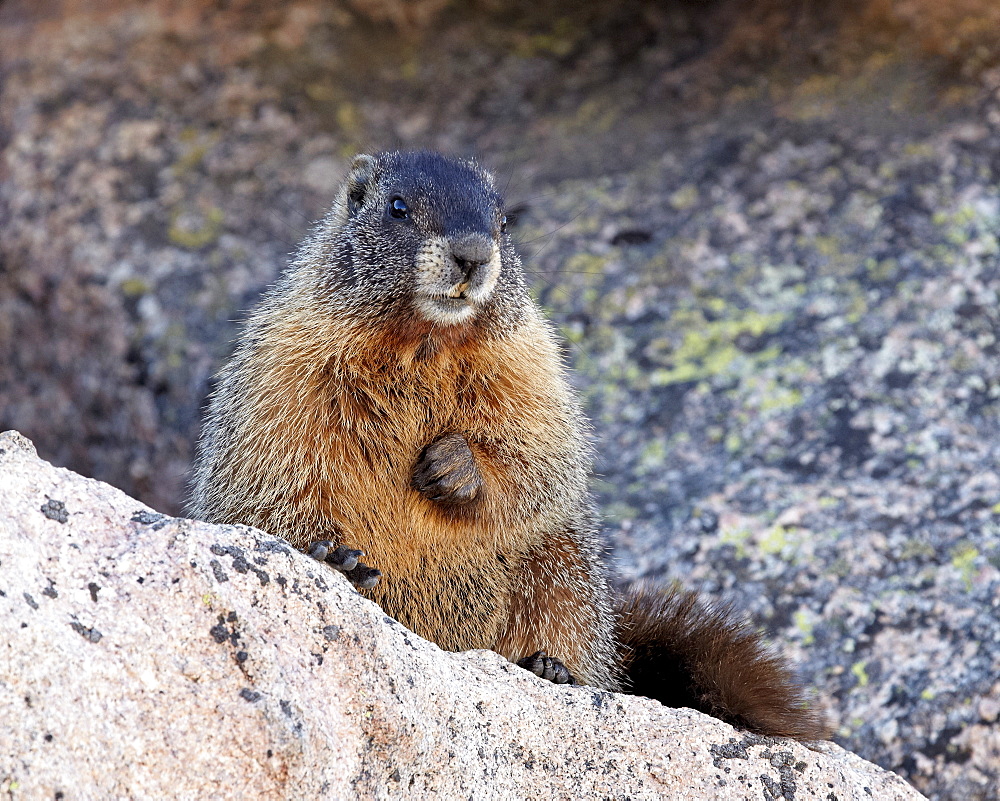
[[420, 239]]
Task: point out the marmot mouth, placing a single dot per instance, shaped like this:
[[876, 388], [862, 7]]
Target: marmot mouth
[[443, 309], [449, 302]]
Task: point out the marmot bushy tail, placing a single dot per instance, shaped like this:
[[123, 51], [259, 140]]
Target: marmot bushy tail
[[397, 393], [683, 652]]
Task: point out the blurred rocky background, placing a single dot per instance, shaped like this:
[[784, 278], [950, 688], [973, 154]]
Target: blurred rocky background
[[767, 231]]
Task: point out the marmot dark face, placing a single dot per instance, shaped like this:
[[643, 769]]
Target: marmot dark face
[[422, 238]]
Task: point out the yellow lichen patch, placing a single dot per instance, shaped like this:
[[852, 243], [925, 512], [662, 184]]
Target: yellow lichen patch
[[349, 119], [653, 456], [192, 230], [134, 287], [770, 396], [804, 624], [685, 197], [708, 348], [815, 98], [738, 537], [198, 144], [781, 541], [963, 559], [558, 42]]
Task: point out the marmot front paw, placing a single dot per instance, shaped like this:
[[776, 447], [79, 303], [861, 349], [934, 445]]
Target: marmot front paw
[[547, 667], [346, 561], [447, 472]]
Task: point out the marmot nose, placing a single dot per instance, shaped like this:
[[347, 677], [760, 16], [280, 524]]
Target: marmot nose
[[468, 268], [471, 251]]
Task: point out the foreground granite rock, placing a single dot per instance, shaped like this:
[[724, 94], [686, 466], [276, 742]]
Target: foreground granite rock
[[148, 656]]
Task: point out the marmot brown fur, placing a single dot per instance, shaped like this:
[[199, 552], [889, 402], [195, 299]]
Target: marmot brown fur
[[398, 393]]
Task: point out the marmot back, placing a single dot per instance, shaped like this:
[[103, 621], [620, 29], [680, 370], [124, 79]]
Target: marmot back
[[398, 393]]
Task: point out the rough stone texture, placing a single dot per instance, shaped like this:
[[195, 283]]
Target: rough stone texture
[[149, 656], [767, 230]]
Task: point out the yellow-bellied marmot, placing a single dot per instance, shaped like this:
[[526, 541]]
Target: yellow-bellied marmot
[[397, 393]]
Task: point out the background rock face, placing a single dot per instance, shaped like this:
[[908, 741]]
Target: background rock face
[[769, 237], [145, 656]]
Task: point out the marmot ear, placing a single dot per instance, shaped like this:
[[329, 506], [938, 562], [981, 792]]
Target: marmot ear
[[358, 181]]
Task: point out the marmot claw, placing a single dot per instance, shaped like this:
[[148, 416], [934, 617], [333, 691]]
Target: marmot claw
[[346, 561]]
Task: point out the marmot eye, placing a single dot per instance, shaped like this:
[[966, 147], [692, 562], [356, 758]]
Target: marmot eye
[[398, 208], [503, 223]]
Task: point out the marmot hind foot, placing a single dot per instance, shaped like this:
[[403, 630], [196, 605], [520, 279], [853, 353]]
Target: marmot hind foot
[[547, 667]]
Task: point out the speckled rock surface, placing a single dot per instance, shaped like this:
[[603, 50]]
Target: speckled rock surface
[[769, 239], [146, 656]]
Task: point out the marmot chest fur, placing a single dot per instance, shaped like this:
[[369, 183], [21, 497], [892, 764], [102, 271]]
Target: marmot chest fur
[[397, 392]]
